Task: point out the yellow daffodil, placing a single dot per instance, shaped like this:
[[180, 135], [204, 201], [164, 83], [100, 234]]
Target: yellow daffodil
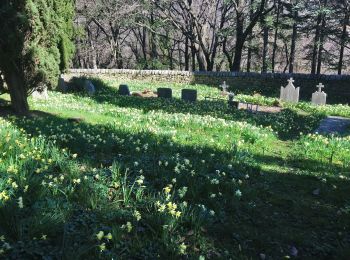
[[102, 247], [109, 236], [100, 235]]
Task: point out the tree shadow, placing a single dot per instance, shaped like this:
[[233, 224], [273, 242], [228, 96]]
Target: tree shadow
[[304, 164], [275, 209]]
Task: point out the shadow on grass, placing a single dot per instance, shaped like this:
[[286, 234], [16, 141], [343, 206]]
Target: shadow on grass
[[275, 211], [322, 168], [288, 124]]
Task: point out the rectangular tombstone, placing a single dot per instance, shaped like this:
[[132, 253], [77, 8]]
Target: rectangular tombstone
[[231, 102], [124, 90], [62, 85], [89, 88], [165, 92], [319, 97], [41, 94], [189, 95]]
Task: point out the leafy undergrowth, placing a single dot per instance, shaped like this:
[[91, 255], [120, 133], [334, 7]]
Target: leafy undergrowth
[[129, 178]]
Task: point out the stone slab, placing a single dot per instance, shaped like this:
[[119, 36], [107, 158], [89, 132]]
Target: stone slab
[[333, 125]]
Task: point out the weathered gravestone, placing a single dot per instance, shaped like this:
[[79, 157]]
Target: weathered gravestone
[[319, 97], [224, 87], [165, 92], [40, 94], [189, 95], [290, 93], [231, 102], [62, 86], [89, 87], [124, 90]]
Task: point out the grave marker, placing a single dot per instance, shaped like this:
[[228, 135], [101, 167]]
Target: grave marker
[[231, 102], [40, 94], [290, 93], [62, 86], [165, 92], [124, 90], [319, 97], [224, 87], [89, 87], [189, 95]]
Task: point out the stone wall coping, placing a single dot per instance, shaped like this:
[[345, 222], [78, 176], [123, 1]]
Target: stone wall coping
[[218, 74]]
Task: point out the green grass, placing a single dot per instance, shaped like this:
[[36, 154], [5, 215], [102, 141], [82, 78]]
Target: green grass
[[141, 178]]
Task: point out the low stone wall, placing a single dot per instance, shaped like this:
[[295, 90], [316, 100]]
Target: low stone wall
[[337, 87]]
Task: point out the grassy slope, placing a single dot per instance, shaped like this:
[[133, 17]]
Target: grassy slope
[[277, 210]]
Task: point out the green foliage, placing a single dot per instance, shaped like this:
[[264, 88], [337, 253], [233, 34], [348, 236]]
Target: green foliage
[[38, 43]]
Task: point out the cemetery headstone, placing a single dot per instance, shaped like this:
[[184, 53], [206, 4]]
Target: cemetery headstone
[[224, 87], [189, 95], [165, 92], [252, 107], [62, 86], [231, 102], [40, 94], [319, 97], [124, 90], [290, 93], [89, 87]]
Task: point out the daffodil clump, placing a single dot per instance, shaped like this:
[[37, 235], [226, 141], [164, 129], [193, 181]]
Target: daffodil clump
[[325, 149]]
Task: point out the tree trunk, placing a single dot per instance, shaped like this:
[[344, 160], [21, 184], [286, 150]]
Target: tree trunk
[[153, 43], [92, 47], [249, 54], [293, 45], [171, 58], [286, 51], [236, 66], [120, 61], [227, 54], [249, 57], [265, 44], [265, 49], [240, 39], [274, 49], [321, 43], [144, 47], [201, 61], [193, 53], [315, 48], [179, 50], [18, 93], [187, 55], [343, 41], [80, 59]]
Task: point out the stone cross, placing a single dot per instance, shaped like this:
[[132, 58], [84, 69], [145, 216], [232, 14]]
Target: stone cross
[[319, 97], [290, 93], [320, 87], [224, 87], [291, 81]]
